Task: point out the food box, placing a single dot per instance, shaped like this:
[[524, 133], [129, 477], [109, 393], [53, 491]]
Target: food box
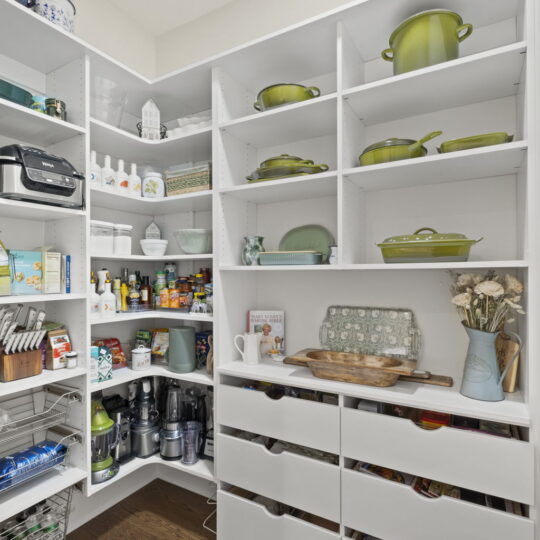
[[188, 180], [113, 344], [26, 272], [52, 272], [5, 281], [100, 364], [58, 344]]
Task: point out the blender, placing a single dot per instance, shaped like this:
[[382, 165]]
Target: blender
[[171, 433], [145, 424], [104, 439]]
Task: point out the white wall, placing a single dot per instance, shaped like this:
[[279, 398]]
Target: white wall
[[231, 25], [110, 30]]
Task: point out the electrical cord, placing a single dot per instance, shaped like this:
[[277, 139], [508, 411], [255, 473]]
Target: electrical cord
[[211, 501]]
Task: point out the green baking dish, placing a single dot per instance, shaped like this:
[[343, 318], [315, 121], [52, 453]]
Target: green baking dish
[[284, 166], [271, 258], [277, 95], [427, 247], [16, 94], [475, 141]]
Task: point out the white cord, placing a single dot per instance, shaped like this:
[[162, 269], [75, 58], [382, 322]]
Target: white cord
[[211, 501]]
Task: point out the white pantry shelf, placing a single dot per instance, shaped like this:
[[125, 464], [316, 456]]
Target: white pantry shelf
[[421, 396], [194, 146], [42, 487], [32, 127], [153, 314], [479, 77], [37, 298], [36, 212], [309, 186], [305, 120], [46, 377], [125, 375], [151, 258], [203, 469], [188, 202], [485, 162]]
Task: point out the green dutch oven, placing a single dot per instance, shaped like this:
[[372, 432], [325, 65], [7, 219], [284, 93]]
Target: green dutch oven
[[394, 149], [283, 166], [426, 247], [475, 141], [285, 160], [427, 38], [284, 94]]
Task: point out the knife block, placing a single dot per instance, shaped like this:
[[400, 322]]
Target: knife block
[[20, 365]]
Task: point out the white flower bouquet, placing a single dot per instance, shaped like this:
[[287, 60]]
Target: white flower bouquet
[[486, 302]]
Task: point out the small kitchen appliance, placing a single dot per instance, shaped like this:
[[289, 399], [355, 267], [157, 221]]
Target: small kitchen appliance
[[171, 433], [194, 410], [31, 174], [118, 409], [145, 425], [104, 440]]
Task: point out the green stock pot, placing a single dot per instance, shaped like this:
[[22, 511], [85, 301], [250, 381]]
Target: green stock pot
[[429, 246], [427, 38], [475, 141], [284, 94], [394, 149]]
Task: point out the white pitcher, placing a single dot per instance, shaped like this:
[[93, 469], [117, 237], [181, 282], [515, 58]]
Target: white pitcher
[[252, 347]]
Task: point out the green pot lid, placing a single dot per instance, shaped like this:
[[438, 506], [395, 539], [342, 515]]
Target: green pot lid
[[284, 159], [101, 421], [392, 141], [431, 236], [421, 14], [280, 84]]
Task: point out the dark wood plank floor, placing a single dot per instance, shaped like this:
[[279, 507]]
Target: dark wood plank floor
[[157, 511]]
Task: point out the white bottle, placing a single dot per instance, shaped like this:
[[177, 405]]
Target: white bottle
[[134, 182], [107, 301], [94, 297], [122, 179], [95, 170], [108, 176]]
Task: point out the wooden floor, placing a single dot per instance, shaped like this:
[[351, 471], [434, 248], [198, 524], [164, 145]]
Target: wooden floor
[[157, 511]]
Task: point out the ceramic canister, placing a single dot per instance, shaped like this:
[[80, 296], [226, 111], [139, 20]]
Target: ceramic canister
[[141, 359], [181, 351]]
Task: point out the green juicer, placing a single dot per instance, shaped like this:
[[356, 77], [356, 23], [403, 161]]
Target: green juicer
[[105, 435]]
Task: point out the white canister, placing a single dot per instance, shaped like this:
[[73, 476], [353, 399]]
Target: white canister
[[122, 239], [141, 358], [101, 238], [153, 186]]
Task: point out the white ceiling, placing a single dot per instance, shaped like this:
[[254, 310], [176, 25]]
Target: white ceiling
[[160, 16]]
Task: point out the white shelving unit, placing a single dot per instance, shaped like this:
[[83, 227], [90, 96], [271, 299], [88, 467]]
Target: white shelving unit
[[487, 192]]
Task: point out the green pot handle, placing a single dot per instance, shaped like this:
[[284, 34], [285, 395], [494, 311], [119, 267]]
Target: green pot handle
[[425, 229], [468, 31], [314, 91], [322, 166], [388, 55], [257, 106]]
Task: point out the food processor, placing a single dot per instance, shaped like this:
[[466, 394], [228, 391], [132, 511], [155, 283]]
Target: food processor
[[104, 439], [145, 426], [171, 432]]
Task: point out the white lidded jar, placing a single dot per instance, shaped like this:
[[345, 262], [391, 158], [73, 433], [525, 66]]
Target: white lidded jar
[[153, 186], [101, 238], [122, 179], [95, 170], [122, 239], [135, 182], [108, 176]]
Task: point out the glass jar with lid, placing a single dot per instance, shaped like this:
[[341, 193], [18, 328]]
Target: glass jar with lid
[[122, 239], [153, 186]]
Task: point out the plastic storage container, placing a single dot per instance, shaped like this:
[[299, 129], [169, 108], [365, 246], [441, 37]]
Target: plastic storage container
[[122, 239], [101, 237]]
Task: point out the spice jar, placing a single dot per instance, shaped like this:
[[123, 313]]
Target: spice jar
[[174, 298], [71, 359], [56, 108], [164, 299]]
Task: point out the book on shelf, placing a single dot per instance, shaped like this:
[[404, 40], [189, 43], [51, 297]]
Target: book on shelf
[[271, 326]]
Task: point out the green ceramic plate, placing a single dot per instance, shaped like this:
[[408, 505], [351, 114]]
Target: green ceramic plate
[[308, 238]]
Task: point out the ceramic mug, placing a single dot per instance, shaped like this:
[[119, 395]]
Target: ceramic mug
[[251, 354], [141, 358]]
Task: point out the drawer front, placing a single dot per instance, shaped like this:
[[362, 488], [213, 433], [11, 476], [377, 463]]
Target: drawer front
[[395, 511], [240, 519], [302, 482], [485, 463], [295, 420]]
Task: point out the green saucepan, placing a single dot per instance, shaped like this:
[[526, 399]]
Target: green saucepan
[[284, 94], [395, 149], [429, 246], [475, 141], [427, 38]]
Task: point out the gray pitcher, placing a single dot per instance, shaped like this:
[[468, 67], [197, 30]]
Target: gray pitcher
[[253, 245], [482, 378]]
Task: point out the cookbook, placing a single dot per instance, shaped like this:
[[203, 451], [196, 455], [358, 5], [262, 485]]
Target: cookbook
[[271, 326]]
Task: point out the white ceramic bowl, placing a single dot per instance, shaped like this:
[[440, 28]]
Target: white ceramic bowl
[[154, 248], [194, 241], [61, 12]]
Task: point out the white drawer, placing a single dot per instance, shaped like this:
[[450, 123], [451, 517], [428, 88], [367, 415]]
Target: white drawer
[[485, 463], [305, 483], [299, 421], [240, 519], [394, 511]]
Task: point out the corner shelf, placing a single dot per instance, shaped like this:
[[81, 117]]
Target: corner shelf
[[154, 314], [151, 258], [36, 298], [36, 212]]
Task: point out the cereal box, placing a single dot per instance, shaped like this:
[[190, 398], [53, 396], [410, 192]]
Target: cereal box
[[26, 272]]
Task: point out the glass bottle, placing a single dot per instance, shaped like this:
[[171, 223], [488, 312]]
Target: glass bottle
[[117, 284], [94, 296], [134, 296], [161, 283], [253, 245], [107, 300], [146, 293]]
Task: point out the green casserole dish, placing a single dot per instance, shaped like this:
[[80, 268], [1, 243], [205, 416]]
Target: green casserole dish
[[284, 166], [475, 141], [427, 247]]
